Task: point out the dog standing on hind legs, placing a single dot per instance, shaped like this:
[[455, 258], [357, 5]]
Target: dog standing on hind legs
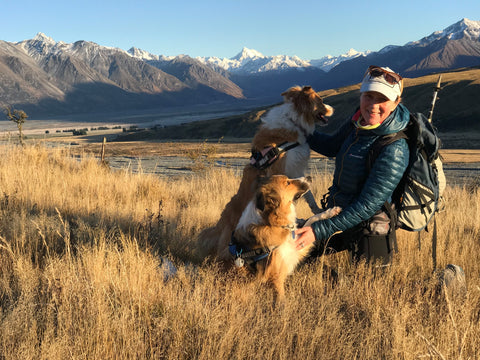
[[279, 147]]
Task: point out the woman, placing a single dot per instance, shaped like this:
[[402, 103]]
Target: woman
[[366, 224]]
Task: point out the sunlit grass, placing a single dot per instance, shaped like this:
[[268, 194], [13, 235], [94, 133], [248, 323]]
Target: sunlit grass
[[81, 276]]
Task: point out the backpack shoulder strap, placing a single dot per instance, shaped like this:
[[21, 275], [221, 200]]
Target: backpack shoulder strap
[[380, 143]]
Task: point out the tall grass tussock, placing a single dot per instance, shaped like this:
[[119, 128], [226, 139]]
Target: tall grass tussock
[[83, 276]]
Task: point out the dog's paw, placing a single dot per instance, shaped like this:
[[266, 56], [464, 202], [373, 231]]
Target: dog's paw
[[316, 210], [312, 219], [327, 214], [332, 212]]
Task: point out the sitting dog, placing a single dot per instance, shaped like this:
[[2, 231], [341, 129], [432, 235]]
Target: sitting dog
[[264, 239], [279, 147]]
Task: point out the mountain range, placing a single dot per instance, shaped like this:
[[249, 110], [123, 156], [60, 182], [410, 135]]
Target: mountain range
[[458, 124], [48, 78]]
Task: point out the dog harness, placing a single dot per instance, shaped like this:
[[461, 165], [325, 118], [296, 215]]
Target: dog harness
[[266, 157], [243, 255]]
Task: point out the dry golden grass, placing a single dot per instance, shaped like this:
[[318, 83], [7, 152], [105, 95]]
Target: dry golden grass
[[81, 277], [152, 148]]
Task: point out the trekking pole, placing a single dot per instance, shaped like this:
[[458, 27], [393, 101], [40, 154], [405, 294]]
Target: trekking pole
[[436, 89]]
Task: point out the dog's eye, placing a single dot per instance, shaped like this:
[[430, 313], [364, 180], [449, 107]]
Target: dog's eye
[[288, 182]]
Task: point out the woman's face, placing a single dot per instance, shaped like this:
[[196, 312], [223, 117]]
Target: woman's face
[[375, 107]]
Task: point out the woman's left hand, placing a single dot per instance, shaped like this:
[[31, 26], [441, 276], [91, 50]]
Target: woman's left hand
[[304, 237]]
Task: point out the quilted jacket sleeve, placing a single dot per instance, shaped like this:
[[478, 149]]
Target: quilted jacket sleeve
[[382, 180], [329, 144]]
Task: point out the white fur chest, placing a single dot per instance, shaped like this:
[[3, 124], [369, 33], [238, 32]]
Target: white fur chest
[[249, 216], [285, 117], [290, 256], [286, 251], [297, 161]]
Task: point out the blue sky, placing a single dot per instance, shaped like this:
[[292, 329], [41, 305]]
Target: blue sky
[[309, 29]]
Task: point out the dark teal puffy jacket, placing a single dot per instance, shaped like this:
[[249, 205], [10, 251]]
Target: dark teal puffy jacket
[[359, 192]]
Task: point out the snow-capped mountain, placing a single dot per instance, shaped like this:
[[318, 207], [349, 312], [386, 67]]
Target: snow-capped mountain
[[247, 55], [464, 29], [54, 77], [85, 62], [43, 46], [456, 46], [250, 61], [43, 76], [190, 71], [145, 55], [388, 48], [328, 62]]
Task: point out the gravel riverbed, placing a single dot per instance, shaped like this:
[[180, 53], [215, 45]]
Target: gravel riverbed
[[457, 174]]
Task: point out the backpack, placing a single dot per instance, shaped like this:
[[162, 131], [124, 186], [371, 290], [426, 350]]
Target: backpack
[[419, 194]]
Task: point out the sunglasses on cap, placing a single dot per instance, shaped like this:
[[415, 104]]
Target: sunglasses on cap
[[390, 77]]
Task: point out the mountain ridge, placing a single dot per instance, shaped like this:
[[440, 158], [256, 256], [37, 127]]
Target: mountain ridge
[[47, 77], [449, 116]]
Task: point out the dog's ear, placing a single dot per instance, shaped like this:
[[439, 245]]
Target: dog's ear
[[260, 201], [267, 200], [290, 92]]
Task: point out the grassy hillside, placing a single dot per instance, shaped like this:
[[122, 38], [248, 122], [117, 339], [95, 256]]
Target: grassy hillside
[[457, 110], [81, 275], [231, 127]]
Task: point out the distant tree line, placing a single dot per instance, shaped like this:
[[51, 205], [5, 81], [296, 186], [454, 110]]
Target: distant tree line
[[84, 131]]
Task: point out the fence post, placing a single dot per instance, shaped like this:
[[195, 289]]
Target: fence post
[[103, 150]]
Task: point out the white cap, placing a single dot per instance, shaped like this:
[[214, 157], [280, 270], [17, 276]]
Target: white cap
[[379, 84]]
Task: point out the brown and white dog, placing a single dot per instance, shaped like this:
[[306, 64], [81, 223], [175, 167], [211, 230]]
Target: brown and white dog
[[264, 238], [288, 124]]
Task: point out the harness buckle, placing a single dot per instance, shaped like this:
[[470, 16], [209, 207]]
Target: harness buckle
[[265, 158]]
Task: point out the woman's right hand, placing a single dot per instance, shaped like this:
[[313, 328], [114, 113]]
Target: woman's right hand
[[304, 237]]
